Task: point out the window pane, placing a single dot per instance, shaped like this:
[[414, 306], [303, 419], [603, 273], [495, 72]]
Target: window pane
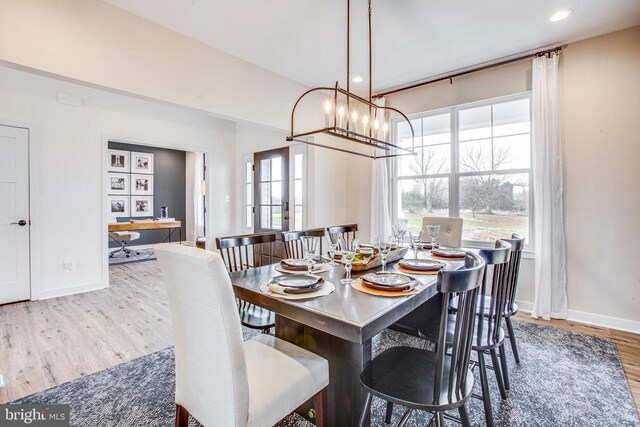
[[422, 197], [265, 193], [403, 132], [494, 206], [298, 218], [475, 156], [298, 166], [511, 118], [436, 129], [298, 192], [276, 217], [248, 171], [512, 152], [249, 194], [276, 193], [265, 217], [265, 169], [276, 169], [249, 213], [430, 160], [475, 123]]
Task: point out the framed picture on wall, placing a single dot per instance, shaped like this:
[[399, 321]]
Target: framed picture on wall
[[118, 206], [141, 185], [141, 162], [118, 161], [141, 206], [118, 183]]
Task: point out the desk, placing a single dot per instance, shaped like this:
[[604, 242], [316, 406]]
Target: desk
[[149, 225], [338, 327]]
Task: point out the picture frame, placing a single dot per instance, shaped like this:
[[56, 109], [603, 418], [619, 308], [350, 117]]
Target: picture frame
[[141, 206], [118, 161], [118, 206], [118, 183], [141, 163], [141, 185]]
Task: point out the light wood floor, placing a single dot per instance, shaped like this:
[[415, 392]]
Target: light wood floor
[[45, 343]]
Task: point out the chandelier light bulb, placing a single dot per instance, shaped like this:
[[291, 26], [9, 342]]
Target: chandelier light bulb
[[341, 111], [327, 107], [376, 124], [354, 116]]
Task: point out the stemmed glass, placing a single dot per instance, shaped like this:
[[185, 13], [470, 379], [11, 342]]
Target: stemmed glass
[[401, 229], [348, 250], [309, 245], [334, 240], [384, 249], [433, 231], [415, 239]]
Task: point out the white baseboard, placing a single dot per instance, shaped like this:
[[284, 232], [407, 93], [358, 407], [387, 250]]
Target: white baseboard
[[61, 292], [592, 319]]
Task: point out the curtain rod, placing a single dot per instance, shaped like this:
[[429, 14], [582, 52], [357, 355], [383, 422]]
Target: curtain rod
[[472, 70]]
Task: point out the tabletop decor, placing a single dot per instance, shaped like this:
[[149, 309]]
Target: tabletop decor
[[448, 253], [277, 291], [317, 268], [360, 286]]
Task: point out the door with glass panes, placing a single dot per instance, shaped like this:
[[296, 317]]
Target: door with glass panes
[[271, 190]]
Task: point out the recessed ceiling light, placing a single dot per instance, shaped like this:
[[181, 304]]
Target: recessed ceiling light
[[561, 14], [357, 79]]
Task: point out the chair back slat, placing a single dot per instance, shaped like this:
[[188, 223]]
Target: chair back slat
[[293, 243], [347, 231], [517, 245], [463, 284], [253, 247], [494, 299]]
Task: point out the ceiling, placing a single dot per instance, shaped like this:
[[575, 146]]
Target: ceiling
[[304, 40]]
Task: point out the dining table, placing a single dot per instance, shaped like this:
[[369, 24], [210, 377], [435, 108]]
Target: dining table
[[340, 326]]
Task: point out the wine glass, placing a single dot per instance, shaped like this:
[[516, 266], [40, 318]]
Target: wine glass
[[402, 230], [415, 239], [433, 231], [395, 234], [384, 249], [348, 250], [309, 245], [334, 240]]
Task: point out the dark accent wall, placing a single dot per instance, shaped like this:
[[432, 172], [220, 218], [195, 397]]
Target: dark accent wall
[[169, 187]]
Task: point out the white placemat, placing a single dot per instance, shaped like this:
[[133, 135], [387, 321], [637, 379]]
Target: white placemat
[[277, 291], [318, 268]]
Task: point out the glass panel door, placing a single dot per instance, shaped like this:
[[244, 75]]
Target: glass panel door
[[271, 190]]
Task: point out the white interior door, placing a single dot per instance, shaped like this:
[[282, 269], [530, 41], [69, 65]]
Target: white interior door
[[14, 214]]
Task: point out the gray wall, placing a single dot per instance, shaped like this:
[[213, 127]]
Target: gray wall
[[169, 185]]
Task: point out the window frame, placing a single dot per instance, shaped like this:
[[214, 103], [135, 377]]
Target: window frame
[[454, 175]]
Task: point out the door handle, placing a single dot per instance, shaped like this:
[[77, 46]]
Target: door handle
[[21, 223], [285, 206]]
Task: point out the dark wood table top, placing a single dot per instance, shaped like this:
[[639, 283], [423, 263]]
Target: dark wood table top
[[346, 313]]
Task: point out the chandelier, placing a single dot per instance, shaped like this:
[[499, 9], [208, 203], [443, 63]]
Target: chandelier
[[353, 118]]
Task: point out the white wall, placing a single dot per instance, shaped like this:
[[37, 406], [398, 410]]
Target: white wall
[[98, 44], [600, 106], [190, 163], [69, 218]]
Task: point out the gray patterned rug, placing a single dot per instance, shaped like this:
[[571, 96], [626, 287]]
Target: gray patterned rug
[[122, 258], [565, 379]]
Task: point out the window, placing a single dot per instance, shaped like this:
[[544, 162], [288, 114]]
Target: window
[[298, 182], [248, 195], [473, 161]]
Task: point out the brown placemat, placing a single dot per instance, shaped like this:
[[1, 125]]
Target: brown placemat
[[357, 284], [407, 271]]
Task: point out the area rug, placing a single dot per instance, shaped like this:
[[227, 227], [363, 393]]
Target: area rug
[[121, 258], [565, 379]]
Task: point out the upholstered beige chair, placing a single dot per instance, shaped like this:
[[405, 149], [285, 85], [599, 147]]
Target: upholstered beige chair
[[220, 380], [450, 230]]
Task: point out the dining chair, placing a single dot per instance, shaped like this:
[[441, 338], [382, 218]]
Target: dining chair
[[244, 252], [293, 244], [221, 381], [517, 245], [439, 381], [450, 230], [489, 336], [348, 232]]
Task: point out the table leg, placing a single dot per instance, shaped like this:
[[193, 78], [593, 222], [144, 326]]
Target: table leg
[[346, 361]]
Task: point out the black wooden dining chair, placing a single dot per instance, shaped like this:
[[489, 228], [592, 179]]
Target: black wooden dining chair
[[293, 244], [348, 232], [242, 253], [419, 379], [517, 245], [489, 337]]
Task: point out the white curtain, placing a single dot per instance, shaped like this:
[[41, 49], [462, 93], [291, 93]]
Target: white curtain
[[550, 272], [380, 218], [198, 206]]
